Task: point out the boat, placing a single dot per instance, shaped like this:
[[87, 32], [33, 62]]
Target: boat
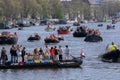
[[49, 29], [79, 34], [64, 30], [5, 26], [7, 38], [112, 56], [73, 63], [110, 27], [93, 38], [76, 24], [34, 38], [100, 25], [49, 40]]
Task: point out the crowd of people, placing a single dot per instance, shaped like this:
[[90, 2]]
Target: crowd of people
[[64, 28], [19, 54], [8, 34]]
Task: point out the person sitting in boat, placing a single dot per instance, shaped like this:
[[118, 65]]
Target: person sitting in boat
[[52, 36], [15, 35], [28, 57], [36, 35], [112, 47], [36, 54], [9, 34]]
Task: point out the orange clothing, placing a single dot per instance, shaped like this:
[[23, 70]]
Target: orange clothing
[[52, 51]]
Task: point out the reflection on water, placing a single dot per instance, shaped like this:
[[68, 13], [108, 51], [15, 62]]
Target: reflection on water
[[91, 69]]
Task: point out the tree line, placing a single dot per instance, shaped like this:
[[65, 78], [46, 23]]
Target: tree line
[[12, 9]]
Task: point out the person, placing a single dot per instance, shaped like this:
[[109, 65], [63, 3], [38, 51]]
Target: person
[[19, 53], [47, 51], [15, 35], [112, 47], [4, 57], [55, 53], [12, 54], [36, 54], [52, 52], [40, 51], [23, 54], [66, 52], [60, 52], [82, 54]]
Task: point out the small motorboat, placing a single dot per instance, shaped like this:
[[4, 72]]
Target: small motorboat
[[112, 56], [34, 38], [93, 38], [64, 30], [8, 38]]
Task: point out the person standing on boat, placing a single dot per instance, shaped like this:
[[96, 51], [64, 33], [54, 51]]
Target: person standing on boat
[[47, 51], [19, 53], [12, 53], [66, 52], [56, 53], [23, 54], [52, 53], [3, 55], [60, 53]]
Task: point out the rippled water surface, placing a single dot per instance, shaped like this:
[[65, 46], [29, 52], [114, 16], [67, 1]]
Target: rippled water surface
[[91, 69]]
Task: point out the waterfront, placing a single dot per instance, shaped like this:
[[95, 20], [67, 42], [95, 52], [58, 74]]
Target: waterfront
[[91, 69]]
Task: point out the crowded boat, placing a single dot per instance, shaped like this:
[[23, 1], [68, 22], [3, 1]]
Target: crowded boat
[[52, 57], [51, 39], [8, 38], [81, 31], [64, 30], [93, 36]]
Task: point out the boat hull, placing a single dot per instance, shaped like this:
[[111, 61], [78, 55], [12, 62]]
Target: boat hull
[[8, 40], [62, 64], [33, 38], [51, 41], [93, 38], [79, 34], [64, 32]]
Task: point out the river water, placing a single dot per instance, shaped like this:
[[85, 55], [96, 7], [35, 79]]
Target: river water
[[91, 69]]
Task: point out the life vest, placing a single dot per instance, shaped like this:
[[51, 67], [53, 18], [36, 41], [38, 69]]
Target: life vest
[[112, 47]]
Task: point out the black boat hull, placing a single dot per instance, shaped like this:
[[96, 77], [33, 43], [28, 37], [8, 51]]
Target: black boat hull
[[79, 34], [93, 38], [71, 64], [8, 40], [112, 56], [33, 38], [51, 41]]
